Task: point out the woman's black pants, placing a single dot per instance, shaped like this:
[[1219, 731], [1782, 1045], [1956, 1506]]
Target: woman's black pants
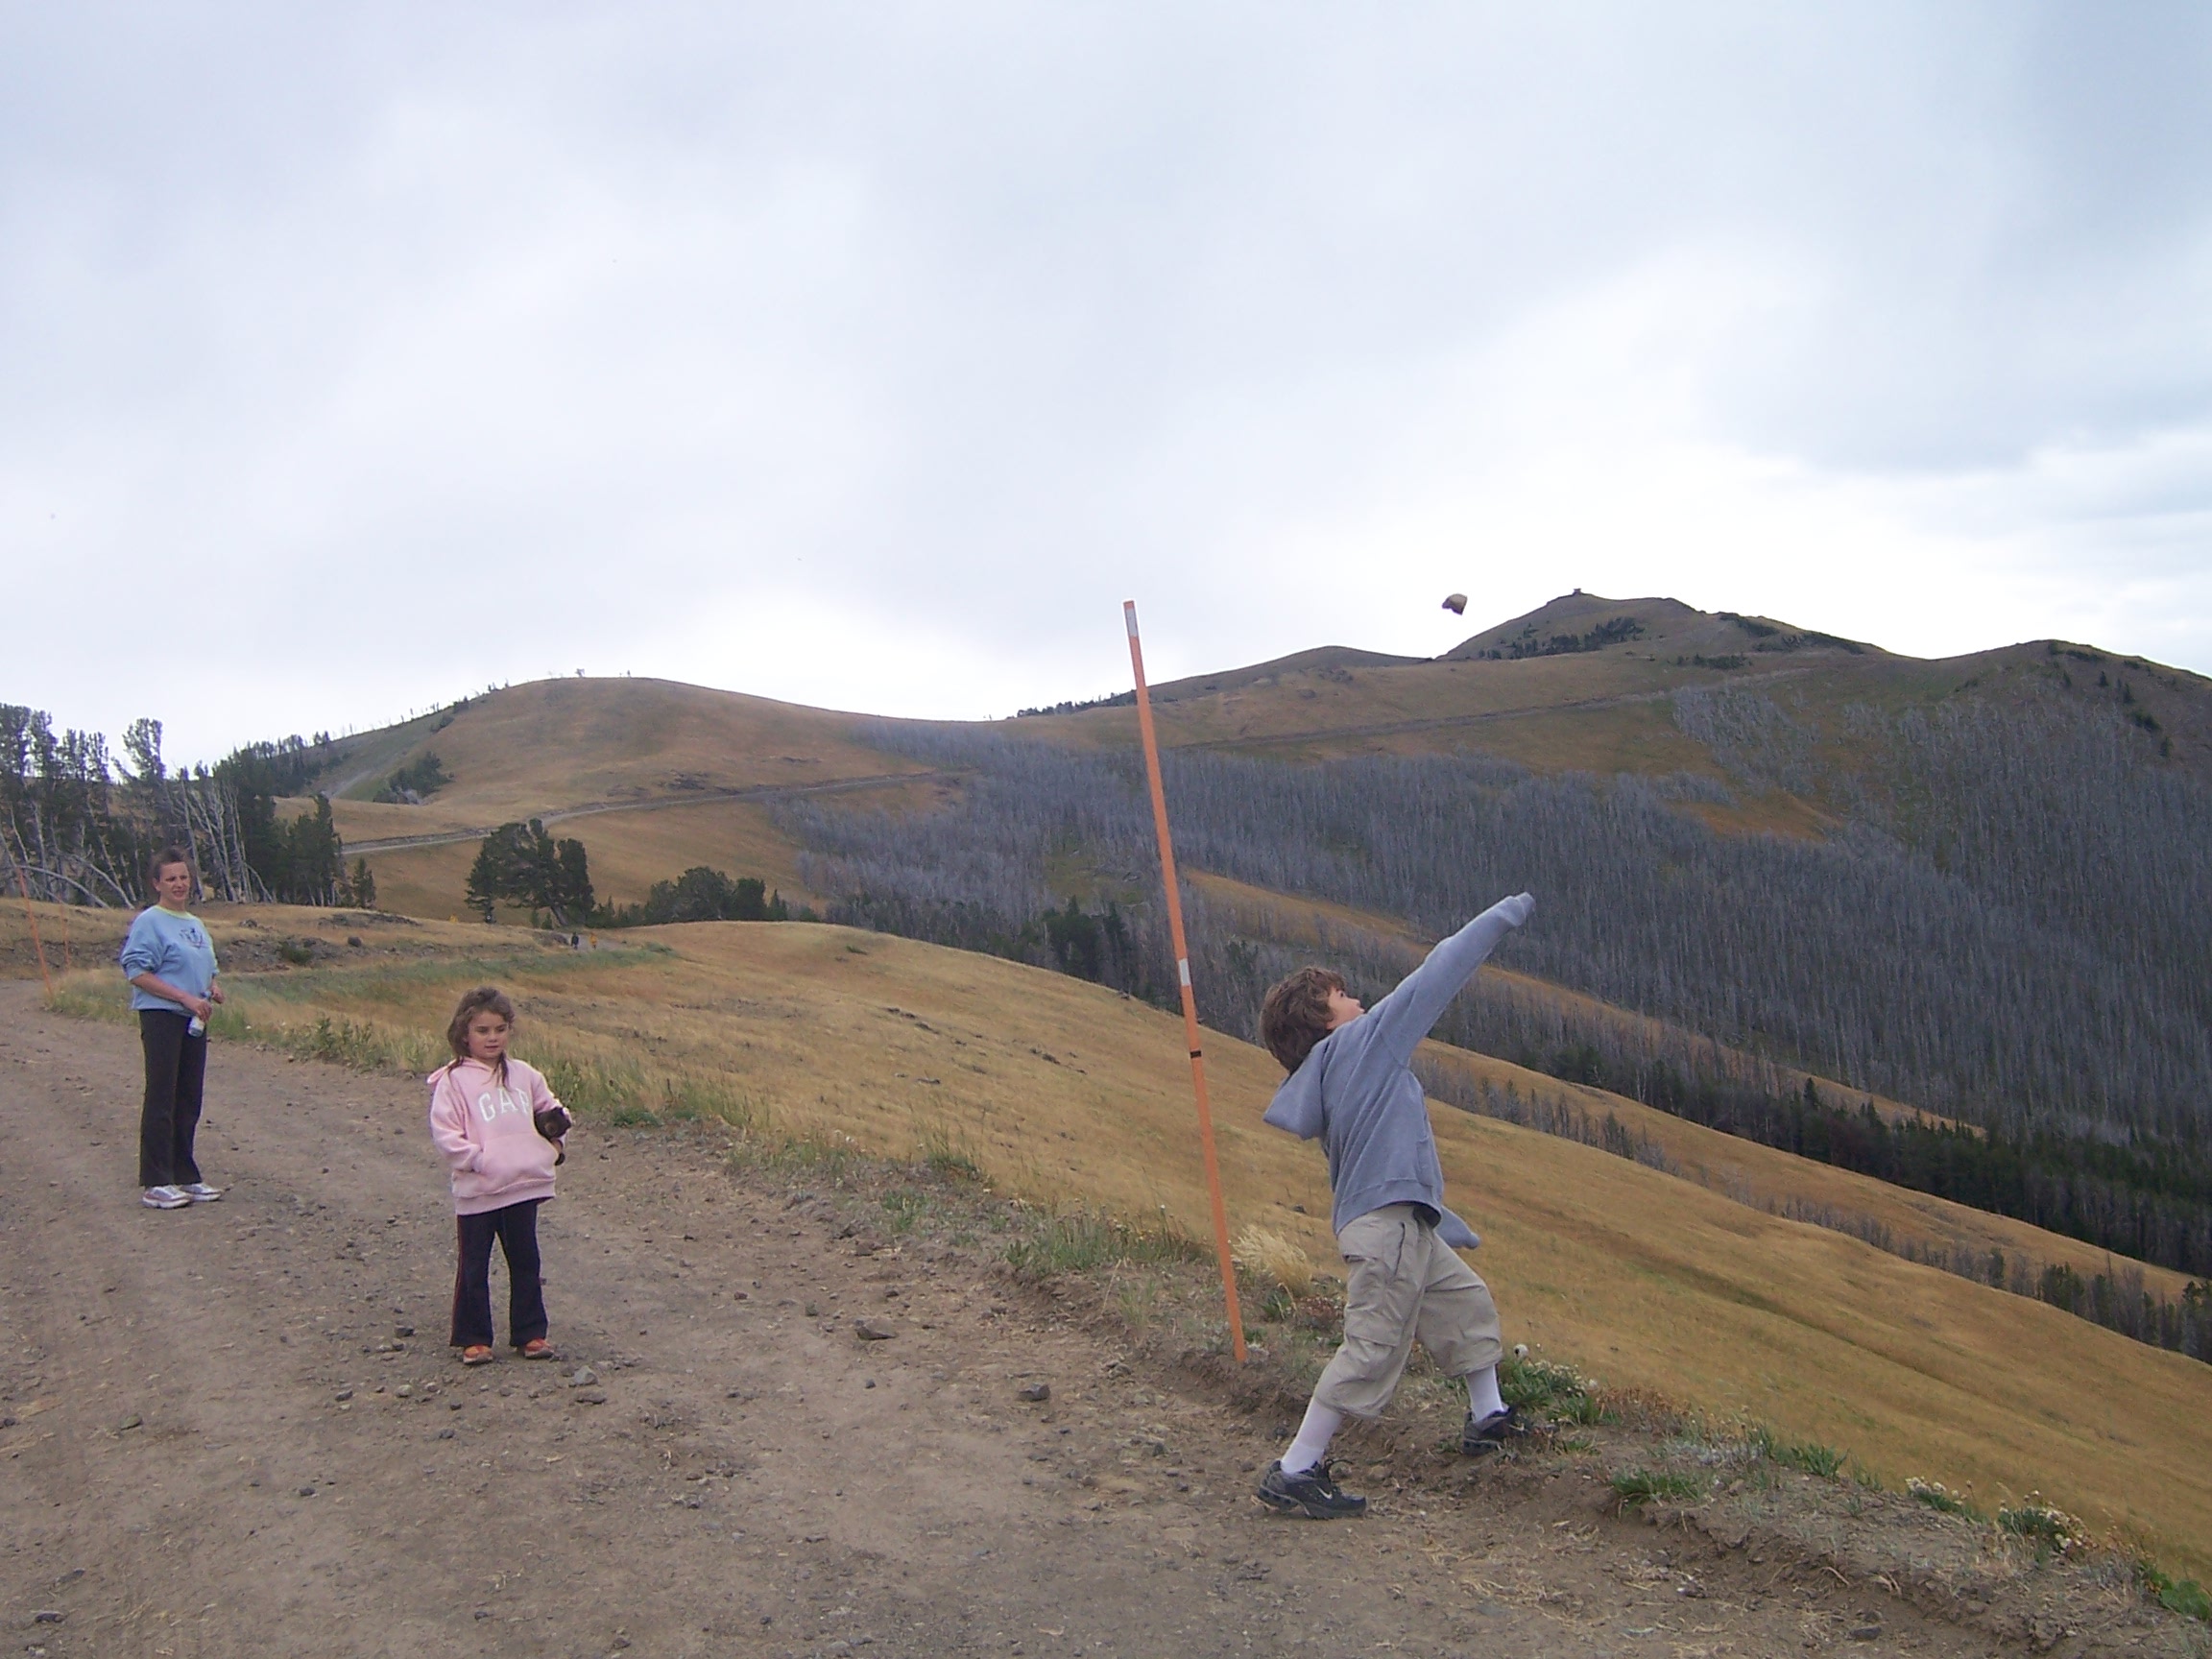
[[176, 1068], [515, 1227]]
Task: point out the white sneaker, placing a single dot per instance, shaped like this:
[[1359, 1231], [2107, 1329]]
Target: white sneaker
[[164, 1198], [199, 1193]]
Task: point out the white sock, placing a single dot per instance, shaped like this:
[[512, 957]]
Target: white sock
[[1313, 1436], [1483, 1397]]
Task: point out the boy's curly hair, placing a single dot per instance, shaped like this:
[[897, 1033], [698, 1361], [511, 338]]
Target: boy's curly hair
[[1295, 1016]]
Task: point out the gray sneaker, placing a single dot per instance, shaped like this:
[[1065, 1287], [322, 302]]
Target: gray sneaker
[[199, 1193], [1493, 1433], [1311, 1493], [164, 1198]]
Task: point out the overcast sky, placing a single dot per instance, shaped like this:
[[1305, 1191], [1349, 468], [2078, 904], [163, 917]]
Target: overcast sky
[[355, 358]]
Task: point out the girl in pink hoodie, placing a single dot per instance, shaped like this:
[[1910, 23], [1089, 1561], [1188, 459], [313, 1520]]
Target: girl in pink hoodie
[[499, 1128]]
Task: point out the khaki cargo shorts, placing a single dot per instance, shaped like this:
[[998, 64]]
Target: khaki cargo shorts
[[1405, 1283]]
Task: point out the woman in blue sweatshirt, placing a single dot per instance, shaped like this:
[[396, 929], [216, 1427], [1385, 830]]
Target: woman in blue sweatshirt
[[1352, 1087], [170, 962]]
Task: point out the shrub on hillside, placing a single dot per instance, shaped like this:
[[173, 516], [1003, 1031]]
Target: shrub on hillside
[[416, 782], [701, 894]]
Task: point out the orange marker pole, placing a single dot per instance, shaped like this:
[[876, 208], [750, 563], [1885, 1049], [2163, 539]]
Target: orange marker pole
[[1183, 979], [32, 916]]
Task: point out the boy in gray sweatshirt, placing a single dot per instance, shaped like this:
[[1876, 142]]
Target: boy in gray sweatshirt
[[1352, 1086]]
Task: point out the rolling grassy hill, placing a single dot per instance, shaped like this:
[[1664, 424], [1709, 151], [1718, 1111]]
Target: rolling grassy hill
[[567, 748], [558, 747], [653, 777], [650, 775], [1606, 709], [565, 744], [1068, 1094]]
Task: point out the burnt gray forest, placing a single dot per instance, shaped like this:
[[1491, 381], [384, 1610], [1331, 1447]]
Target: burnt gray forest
[[2007, 929], [2010, 928]]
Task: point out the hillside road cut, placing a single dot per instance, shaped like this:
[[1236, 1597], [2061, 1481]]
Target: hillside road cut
[[237, 1430]]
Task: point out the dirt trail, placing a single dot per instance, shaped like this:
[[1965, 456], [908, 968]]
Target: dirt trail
[[205, 1448]]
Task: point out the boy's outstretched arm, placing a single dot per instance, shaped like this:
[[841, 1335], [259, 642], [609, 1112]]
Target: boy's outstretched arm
[[1402, 1019]]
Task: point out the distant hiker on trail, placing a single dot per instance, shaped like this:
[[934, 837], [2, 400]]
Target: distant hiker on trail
[[499, 1128], [1352, 1085], [170, 962]]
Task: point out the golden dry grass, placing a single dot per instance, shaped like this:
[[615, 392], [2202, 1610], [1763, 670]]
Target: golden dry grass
[[425, 881], [1068, 1094], [628, 852], [1771, 1180], [1626, 737], [1600, 712], [555, 743], [1324, 703], [71, 936], [631, 850], [379, 821], [658, 751], [1274, 1259]]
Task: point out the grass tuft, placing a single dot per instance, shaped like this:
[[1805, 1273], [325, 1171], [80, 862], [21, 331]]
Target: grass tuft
[[947, 1153], [2045, 1526], [688, 1097], [904, 1207], [1083, 1242], [1938, 1495], [1823, 1462], [1633, 1488], [824, 1159], [1557, 1393], [2183, 1596], [95, 997], [364, 1046], [1278, 1263]]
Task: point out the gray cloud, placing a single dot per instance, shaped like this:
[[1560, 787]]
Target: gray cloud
[[873, 354]]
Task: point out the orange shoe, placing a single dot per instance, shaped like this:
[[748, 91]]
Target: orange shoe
[[477, 1353], [538, 1348]]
